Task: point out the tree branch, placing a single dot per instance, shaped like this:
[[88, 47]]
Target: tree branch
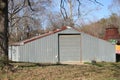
[[95, 1], [79, 8], [30, 5], [62, 8], [17, 8]]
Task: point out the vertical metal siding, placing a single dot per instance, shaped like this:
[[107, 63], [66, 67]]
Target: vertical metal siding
[[96, 49], [69, 46], [10, 53], [89, 47], [107, 51], [13, 53], [42, 50], [45, 50]]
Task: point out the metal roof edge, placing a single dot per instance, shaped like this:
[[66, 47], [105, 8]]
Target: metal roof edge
[[39, 36], [17, 44], [50, 33]]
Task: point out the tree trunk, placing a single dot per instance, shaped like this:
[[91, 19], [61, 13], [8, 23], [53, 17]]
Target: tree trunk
[[5, 15]]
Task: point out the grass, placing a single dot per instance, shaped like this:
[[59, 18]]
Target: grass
[[31, 71]]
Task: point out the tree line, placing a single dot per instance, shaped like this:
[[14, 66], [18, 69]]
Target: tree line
[[98, 28]]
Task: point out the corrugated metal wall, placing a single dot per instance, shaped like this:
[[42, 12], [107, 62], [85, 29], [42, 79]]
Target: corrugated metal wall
[[45, 50], [69, 47], [42, 50], [89, 47], [13, 53], [97, 49], [106, 51]]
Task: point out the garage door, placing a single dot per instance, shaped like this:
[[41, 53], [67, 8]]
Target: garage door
[[69, 48]]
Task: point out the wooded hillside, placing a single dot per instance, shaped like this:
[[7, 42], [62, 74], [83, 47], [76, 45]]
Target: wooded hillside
[[98, 28]]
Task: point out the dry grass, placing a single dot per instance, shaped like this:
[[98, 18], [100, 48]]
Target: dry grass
[[98, 71]]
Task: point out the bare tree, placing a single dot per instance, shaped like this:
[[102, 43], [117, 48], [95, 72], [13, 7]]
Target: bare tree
[[98, 28], [72, 12], [4, 34], [23, 20], [77, 9]]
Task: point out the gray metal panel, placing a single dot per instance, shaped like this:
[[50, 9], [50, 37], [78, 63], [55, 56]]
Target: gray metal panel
[[96, 49], [42, 50], [69, 48], [107, 51], [13, 53], [89, 47], [45, 50], [10, 53]]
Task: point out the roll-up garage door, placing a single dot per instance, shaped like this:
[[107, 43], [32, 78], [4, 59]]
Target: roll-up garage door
[[69, 48]]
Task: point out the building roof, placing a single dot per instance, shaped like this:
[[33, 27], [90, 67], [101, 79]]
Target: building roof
[[41, 36]]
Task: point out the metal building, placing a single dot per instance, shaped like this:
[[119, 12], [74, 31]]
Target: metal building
[[62, 45]]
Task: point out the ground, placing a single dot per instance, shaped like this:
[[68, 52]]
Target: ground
[[87, 71]]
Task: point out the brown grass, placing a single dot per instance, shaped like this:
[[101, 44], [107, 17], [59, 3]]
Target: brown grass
[[28, 71]]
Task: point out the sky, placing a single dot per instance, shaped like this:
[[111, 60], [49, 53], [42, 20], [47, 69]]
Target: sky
[[100, 11], [104, 12], [97, 11], [94, 11]]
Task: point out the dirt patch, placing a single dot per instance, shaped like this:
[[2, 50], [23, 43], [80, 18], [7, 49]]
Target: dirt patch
[[73, 63]]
